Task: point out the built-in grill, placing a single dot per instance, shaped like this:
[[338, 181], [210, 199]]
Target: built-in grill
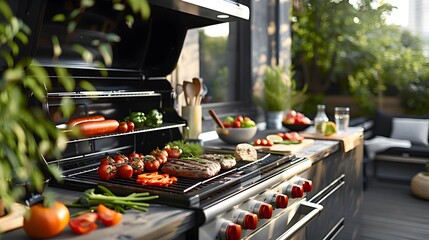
[[135, 81]]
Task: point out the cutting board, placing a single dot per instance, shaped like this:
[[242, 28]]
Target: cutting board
[[349, 140], [14, 219], [286, 148]]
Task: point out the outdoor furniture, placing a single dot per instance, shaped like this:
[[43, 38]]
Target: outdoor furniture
[[408, 152]]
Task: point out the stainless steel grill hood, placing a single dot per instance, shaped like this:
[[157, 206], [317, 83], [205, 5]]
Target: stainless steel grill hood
[[219, 10], [149, 50]]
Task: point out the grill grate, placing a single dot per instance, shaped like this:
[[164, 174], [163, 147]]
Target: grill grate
[[192, 193]]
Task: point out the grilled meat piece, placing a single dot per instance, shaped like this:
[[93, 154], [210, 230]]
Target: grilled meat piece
[[227, 161], [191, 168], [246, 152]]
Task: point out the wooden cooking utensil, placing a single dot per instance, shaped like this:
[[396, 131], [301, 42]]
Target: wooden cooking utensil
[[197, 90], [188, 89], [216, 118]]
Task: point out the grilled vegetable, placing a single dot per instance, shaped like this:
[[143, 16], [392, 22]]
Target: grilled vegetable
[[153, 118], [155, 179]]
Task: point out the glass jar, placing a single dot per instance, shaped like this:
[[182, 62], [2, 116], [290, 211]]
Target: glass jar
[[320, 118]]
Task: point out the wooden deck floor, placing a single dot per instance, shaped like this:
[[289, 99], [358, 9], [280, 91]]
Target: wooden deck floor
[[389, 212]]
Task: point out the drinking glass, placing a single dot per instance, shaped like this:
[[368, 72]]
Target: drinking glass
[[342, 118]]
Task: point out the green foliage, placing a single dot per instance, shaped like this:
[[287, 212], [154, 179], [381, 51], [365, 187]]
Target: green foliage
[[352, 50], [27, 135], [215, 66], [278, 91]]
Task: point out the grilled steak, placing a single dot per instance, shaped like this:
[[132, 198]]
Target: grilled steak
[[246, 152], [190, 168], [226, 161]]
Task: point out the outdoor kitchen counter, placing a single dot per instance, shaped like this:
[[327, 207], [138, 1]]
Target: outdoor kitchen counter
[[159, 222]]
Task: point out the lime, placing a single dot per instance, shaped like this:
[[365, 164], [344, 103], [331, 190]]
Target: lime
[[274, 138], [329, 128]]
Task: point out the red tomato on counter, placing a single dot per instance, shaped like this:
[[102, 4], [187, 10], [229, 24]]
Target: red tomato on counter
[[108, 216], [84, 223], [46, 222]]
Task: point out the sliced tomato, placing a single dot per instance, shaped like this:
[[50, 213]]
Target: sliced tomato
[[84, 223], [108, 216]]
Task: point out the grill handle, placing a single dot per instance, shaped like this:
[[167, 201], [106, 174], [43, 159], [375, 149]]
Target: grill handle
[[312, 211]]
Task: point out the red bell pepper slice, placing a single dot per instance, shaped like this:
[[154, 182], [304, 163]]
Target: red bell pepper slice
[[84, 223]]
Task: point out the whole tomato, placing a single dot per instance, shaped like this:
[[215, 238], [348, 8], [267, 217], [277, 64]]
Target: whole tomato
[[175, 153], [46, 222], [107, 161], [236, 124], [137, 165], [150, 163], [123, 127], [106, 172], [160, 155], [257, 142], [133, 155], [130, 126], [120, 159], [125, 171]]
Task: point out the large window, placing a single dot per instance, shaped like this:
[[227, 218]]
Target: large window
[[218, 62]]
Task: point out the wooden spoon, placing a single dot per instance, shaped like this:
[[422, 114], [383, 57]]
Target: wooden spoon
[[216, 118], [188, 89], [197, 90]]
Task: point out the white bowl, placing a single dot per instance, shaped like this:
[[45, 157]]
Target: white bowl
[[236, 135]]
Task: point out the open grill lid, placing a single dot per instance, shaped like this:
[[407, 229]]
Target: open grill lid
[[150, 48]]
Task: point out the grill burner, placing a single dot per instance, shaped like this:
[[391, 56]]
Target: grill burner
[[192, 193]]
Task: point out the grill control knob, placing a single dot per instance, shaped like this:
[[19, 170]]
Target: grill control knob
[[263, 210], [306, 184], [293, 190], [230, 231], [246, 219], [280, 200], [276, 199]]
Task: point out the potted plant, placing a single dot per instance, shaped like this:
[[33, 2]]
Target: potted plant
[[276, 93]]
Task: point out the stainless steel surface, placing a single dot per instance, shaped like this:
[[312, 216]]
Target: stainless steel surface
[[211, 212], [210, 9], [311, 210]]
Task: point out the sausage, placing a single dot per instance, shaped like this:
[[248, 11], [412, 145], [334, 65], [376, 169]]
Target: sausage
[[98, 127], [76, 121]]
